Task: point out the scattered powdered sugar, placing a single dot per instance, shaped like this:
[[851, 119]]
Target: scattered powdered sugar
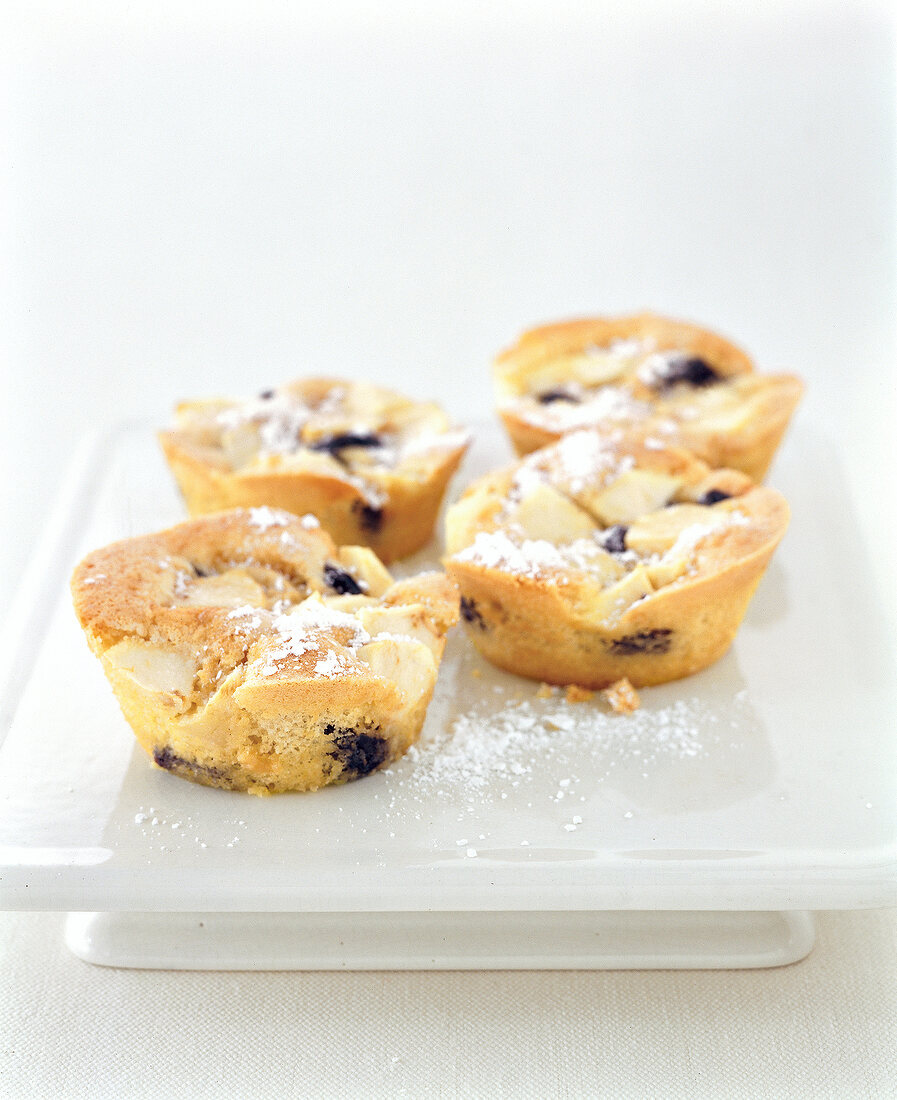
[[582, 456], [310, 522], [690, 536], [527, 478], [264, 517], [299, 632], [629, 348], [333, 664], [529, 738], [183, 582], [247, 619], [605, 403], [430, 441], [494, 550], [656, 367], [314, 614]]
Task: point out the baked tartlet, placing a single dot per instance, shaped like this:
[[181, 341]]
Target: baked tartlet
[[372, 465], [683, 383], [601, 557], [248, 652]]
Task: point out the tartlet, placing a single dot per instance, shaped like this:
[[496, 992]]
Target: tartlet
[[603, 557], [248, 651], [371, 464], [681, 382]]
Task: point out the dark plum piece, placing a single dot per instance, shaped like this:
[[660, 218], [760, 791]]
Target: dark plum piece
[[614, 539], [550, 396], [359, 753], [645, 641], [370, 519], [713, 496], [470, 613], [343, 583]]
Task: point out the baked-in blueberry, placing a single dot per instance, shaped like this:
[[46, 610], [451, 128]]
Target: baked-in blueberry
[[714, 496], [343, 583], [370, 519], [550, 396], [690, 369], [645, 641], [470, 613], [614, 539], [358, 752], [333, 444], [179, 765], [266, 395]]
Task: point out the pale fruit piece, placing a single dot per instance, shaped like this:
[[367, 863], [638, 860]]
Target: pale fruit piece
[[403, 621], [609, 604], [667, 570], [409, 665], [544, 513], [154, 669], [464, 519], [593, 368], [240, 444], [367, 567], [634, 493], [367, 402], [658, 531], [602, 566], [720, 408], [234, 588]]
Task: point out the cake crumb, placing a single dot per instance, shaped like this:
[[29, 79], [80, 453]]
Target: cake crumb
[[545, 691], [577, 694], [476, 673], [622, 696]]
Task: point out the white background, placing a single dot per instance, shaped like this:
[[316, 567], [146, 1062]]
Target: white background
[[210, 200]]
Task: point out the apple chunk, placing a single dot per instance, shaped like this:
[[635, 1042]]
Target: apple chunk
[[234, 588], [408, 664], [634, 493], [544, 513], [657, 532], [154, 669]]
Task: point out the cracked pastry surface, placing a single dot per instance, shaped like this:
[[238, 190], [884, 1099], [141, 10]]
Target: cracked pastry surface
[[686, 385], [248, 651], [372, 465], [609, 556]]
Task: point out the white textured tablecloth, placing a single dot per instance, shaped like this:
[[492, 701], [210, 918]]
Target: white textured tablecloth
[[825, 1027]]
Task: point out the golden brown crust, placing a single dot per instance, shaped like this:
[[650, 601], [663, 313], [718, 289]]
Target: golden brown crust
[[601, 558], [248, 651], [278, 450], [610, 373]]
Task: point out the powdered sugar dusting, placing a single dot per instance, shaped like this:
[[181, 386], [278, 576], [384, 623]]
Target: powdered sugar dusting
[[605, 403], [303, 630], [501, 748], [582, 457], [333, 664], [264, 518], [532, 558]]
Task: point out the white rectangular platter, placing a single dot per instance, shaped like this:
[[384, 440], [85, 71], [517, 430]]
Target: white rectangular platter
[[766, 782]]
